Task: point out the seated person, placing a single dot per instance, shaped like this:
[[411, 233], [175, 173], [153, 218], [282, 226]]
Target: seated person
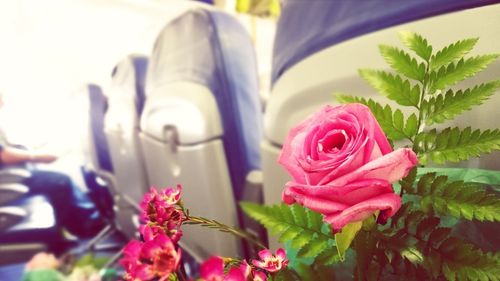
[[74, 210]]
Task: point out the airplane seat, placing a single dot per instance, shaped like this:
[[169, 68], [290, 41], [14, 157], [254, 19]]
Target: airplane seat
[[320, 46], [27, 222], [98, 172], [201, 124], [121, 126]]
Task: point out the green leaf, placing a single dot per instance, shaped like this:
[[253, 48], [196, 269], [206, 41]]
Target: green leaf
[[454, 145], [285, 275], [416, 43], [345, 237], [173, 277], [458, 199], [401, 62], [43, 275], [392, 123], [462, 261], [296, 224], [411, 127], [429, 250], [446, 107], [315, 272], [456, 72], [407, 182], [412, 254], [453, 52], [393, 86]]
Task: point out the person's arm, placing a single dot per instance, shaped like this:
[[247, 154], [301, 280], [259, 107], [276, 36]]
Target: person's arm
[[13, 156]]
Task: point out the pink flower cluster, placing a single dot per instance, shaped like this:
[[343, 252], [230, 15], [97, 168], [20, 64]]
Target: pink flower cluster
[[213, 268], [160, 213], [158, 256]]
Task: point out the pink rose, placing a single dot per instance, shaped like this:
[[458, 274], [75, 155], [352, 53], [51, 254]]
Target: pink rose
[[343, 166]]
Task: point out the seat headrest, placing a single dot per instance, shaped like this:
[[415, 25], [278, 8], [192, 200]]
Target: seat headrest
[[129, 76], [306, 27]]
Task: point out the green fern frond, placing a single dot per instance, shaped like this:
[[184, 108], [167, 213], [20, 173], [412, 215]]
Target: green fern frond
[[458, 199], [295, 224], [453, 52], [392, 86], [392, 123], [424, 249], [454, 145], [462, 261], [402, 62], [416, 43], [448, 75], [446, 107]]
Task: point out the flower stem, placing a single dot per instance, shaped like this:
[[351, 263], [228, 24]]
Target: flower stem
[[224, 228]]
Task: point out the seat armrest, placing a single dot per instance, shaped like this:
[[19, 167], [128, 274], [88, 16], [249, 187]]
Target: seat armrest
[[253, 192], [14, 175], [11, 191], [253, 187], [10, 216]]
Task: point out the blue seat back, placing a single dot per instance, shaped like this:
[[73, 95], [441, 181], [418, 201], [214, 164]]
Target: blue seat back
[[306, 27], [97, 110], [140, 67]]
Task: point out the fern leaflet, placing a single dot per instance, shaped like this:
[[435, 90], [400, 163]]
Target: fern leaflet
[[299, 226], [392, 86], [416, 43], [456, 72], [458, 199], [454, 145], [446, 107], [402, 62], [453, 52]]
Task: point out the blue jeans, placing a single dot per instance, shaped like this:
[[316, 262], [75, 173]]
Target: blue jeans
[[73, 208]]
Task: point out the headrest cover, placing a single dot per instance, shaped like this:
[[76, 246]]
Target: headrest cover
[[306, 27]]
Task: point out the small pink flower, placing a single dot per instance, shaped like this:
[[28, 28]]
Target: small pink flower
[[163, 256], [149, 203], [245, 272], [212, 269], [270, 262], [172, 195], [171, 229], [159, 207], [131, 259], [156, 258], [259, 276]]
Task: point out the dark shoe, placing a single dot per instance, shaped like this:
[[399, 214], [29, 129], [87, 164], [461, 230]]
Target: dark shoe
[[86, 226]]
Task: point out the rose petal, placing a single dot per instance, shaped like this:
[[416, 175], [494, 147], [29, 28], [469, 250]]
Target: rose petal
[[388, 203], [359, 190], [312, 202], [390, 167]]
